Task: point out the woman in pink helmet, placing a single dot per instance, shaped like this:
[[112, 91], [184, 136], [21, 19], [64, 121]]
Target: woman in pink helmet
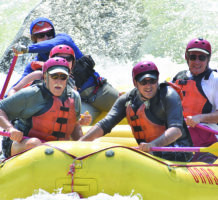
[[153, 111], [199, 87], [45, 111]]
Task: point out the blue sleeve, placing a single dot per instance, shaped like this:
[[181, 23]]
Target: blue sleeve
[[46, 46]]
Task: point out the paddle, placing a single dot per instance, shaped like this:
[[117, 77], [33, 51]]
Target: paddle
[[207, 129], [11, 69], [7, 134], [211, 149]]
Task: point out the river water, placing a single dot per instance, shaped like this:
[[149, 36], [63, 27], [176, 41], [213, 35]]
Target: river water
[[157, 30]]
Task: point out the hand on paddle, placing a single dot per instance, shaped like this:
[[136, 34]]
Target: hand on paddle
[[146, 147], [20, 49], [192, 121], [16, 135]]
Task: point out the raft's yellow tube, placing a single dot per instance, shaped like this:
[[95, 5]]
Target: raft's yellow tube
[[112, 170], [117, 131]]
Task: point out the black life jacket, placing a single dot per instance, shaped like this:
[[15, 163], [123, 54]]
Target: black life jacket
[[83, 69]]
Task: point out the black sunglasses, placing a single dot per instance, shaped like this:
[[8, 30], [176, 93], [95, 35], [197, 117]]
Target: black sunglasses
[[68, 58], [42, 35], [62, 77], [149, 81], [201, 57]]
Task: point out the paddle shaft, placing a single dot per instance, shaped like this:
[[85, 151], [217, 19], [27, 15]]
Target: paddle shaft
[[207, 129], [7, 134], [11, 69], [211, 149], [176, 149]]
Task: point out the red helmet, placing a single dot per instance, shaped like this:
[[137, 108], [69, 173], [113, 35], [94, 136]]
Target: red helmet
[[62, 49], [198, 44], [41, 27], [56, 62], [143, 67]]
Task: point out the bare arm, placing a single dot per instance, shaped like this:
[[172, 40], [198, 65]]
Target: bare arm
[[77, 132], [16, 135], [206, 118], [168, 137], [93, 133], [36, 75]]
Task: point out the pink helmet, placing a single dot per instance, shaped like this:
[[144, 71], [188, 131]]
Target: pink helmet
[[143, 67], [198, 44], [56, 63], [62, 49]]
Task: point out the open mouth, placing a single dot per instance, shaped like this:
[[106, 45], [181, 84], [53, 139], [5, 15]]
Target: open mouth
[[58, 87]]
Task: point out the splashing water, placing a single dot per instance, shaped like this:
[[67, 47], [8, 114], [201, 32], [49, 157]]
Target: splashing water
[[43, 195]]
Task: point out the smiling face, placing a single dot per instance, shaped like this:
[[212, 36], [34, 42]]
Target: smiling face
[[197, 65], [147, 88]]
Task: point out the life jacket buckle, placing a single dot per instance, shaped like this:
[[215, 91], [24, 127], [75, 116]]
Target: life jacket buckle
[[182, 82], [134, 117]]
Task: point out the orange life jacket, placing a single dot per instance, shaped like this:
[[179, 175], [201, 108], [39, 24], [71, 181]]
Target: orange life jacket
[[142, 127], [193, 101], [57, 123], [177, 88]]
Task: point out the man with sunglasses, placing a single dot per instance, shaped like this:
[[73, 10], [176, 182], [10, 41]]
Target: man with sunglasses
[[199, 87], [153, 111], [44, 39], [46, 111]]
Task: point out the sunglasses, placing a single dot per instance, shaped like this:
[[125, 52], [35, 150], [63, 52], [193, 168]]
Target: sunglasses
[[42, 35], [68, 58], [149, 81], [62, 77], [194, 57]]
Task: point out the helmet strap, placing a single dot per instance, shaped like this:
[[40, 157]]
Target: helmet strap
[[33, 38], [47, 80]]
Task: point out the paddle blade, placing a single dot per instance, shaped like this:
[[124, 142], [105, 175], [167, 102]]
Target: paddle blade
[[211, 149]]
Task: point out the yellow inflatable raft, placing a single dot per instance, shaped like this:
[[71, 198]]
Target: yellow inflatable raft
[[93, 167]]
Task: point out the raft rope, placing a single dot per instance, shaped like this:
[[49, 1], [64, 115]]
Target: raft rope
[[132, 149]]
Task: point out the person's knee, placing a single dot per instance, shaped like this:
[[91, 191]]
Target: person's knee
[[26, 144], [32, 142]]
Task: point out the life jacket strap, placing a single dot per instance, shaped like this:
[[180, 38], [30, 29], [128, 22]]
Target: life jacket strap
[[137, 128], [66, 109], [61, 120], [58, 134]]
